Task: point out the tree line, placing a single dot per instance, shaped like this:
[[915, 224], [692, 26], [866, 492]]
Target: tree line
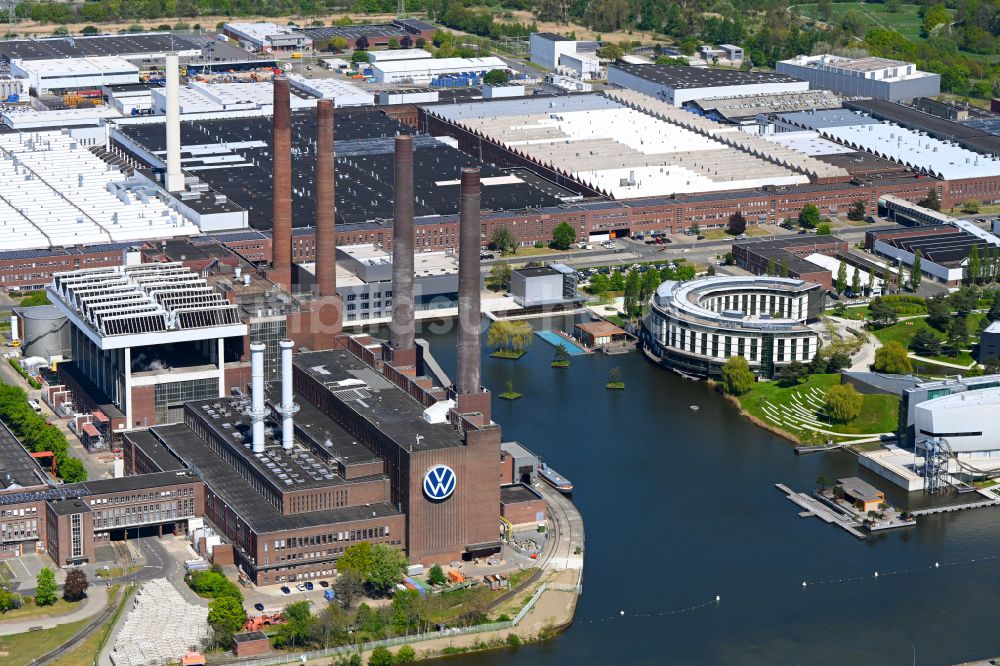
[[37, 434]]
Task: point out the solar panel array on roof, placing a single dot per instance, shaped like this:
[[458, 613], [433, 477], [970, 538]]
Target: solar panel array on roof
[[98, 45], [144, 299]]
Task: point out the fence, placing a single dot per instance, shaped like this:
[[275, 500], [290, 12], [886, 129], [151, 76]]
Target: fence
[[398, 640]]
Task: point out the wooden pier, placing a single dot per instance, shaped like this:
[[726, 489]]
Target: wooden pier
[[819, 448], [814, 507], [955, 507]]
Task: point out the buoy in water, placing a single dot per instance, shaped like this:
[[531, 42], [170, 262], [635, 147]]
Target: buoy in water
[[695, 408]]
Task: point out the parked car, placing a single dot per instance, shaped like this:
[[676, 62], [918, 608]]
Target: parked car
[[310, 586], [300, 587], [35, 405], [323, 583], [285, 590], [259, 608], [487, 255]]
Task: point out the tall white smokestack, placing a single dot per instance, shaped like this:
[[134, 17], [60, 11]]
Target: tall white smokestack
[[175, 179], [257, 411], [13, 328], [288, 408]]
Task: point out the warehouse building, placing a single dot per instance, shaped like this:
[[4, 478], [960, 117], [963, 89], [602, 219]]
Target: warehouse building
[[625, 145], [266, 37], [676, 85], [879, 78], [435, 70], [129, 46], [364, 163], [405, 31], [696, 326], [746, 109], [67, 74], [788, 257], [58, 193]]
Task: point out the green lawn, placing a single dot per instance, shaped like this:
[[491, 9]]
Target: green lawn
[[29, 609], [85, 654], [906, 21], [878, 412], [23, 649], [903, 332]]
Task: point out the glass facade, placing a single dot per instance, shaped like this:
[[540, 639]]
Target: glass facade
[[268, 332], [170, 398]]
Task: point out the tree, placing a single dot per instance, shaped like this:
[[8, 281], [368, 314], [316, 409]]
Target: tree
[[991, 365], [563, 236], [938, 312], [360, 57], [737, 378], [772, 267], [841, 283], [932, 200], [792, 374], [784, 268], [75, 587], [915, 272], [513, 337], [823, 229], [357, 558], [958, 335], [393, 43], [856, 282], [503, 240], [496, 77], [406, 655], [871, 282], [838, 361], [729, 259], [737, 224], [971, 206], [349, 586], [226, 616], [559, 359], [935, 16], [650, 283], [925, 343], [295, 631], [435, 576], [965, 300], [809, 216], [330, 626], [856, 212], [891, 358], [45, 587], [843, 403], [499, 277], [388, 566], [381, 657], [615, 375], [633, 286], [610, 52], [72, 470], [881, 312], [994, 312], [972, 270]]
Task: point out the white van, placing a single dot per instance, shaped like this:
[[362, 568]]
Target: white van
[[35, 405]]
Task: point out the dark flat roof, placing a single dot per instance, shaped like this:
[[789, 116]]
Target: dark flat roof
[[98, 45], [679, 76], [18, 463], [516, 493], [159, 454], [364, 167], [252, 507], [537, 271], [947, 248], [382, 404], [66, 507], [965, 135], [249, 636], [553, 37], [137, 482]]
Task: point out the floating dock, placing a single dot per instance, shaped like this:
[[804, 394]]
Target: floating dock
[[814, 507], [819, 448]]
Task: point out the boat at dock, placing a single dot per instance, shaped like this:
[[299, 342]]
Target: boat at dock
[[555, 479]]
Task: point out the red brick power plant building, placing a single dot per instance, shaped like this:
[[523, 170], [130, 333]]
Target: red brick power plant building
[[374, 450]]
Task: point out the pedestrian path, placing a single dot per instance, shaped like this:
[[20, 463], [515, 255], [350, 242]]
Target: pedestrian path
[[97, 599]]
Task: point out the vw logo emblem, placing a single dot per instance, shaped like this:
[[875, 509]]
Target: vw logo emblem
[[439, 482]]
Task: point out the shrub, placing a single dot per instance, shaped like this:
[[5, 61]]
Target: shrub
[[843, 403]]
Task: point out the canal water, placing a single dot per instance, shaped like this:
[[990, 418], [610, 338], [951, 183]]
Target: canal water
[[680, 506]]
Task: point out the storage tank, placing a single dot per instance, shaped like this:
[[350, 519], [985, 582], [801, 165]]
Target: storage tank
[[45, 331]]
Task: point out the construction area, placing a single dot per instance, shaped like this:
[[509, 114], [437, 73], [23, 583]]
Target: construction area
[[159, 621]]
